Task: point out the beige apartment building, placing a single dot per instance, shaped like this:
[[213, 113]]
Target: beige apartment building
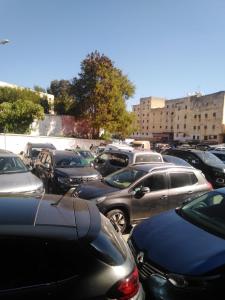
[[193, 118]]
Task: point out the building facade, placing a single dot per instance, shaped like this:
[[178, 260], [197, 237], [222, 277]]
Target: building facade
[[192, 118]]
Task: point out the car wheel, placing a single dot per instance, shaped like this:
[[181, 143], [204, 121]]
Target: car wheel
[[119, 220]]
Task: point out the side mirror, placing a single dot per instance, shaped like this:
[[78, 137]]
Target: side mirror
[[47, 165], [29, 168], [195, 161], [145, 190]]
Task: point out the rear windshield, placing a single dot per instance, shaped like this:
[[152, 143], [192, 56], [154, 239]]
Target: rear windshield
[[208, 157], [148, 158]]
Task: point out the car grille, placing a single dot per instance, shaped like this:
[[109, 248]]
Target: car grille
[[146, 268], [78, 180]]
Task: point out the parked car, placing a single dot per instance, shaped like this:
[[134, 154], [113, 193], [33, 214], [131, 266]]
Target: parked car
[[114, 159], [62, 248], [181, 253], [142, 190], [60, 170], [211, 166], [15, 177], [32, 150], [175, 160]]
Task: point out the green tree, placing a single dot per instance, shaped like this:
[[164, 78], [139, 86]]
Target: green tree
[[8, 94], [101, 91], [17, 117], [64, 102]]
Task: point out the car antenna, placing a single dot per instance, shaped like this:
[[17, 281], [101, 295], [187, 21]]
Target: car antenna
[[58, 201]]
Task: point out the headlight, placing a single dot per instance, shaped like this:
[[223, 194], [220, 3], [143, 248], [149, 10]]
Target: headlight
[[63, 180], [40, 190], [99, 200], [218, 170]]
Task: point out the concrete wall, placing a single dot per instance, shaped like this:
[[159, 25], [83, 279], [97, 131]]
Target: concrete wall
[[16, 143]]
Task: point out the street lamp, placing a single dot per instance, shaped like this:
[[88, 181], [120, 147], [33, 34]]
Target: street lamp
[[3, 42]]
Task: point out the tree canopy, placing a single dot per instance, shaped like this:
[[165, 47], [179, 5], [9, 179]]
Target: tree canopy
[[64, 102], [18, 109], [17, 117], [101, 91]]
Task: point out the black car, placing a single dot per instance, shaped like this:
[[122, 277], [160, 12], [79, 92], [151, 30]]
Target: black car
[[208, 163], [60, 170], [181, 253], [32, 151], [62, 248], [112, 160], [142, 190]]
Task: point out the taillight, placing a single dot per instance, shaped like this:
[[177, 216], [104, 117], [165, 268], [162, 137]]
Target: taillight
[[126, 288], [209, 186]]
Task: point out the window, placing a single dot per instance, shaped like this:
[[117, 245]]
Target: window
[[206, 116], [155, 182], [180, 179], [213, 127], [184, 126], [194, 127], [118, 159], [214, 114], [205, 126], [185, 117]]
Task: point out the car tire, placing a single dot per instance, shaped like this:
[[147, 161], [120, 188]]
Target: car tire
[[119, 220]]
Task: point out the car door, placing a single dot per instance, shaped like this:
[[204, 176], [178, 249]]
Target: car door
[[152, 202], [25, 269], [182, 186]]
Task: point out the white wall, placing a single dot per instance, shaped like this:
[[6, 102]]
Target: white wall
[[16, 143]]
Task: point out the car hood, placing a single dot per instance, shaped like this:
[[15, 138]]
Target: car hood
[[178, 246], [83, 171], [94, 189], [19, 182]]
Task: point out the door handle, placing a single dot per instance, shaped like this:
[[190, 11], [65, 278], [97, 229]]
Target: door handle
[[190, 192], [164, 197]]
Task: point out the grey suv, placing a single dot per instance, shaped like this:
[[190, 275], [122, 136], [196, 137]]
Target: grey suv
[[15, 177], [112, 160], [142, 190]]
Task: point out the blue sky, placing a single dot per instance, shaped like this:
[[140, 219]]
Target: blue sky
[[167, 48]]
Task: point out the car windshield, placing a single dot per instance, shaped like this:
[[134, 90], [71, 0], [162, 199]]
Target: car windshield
[[208, 157], [12, 165], [86, 154], [124, 178], [70, 162], [207, 211]]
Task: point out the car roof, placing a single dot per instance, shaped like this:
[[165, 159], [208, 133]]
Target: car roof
[[149, 167], [53, 215], [42, 145]]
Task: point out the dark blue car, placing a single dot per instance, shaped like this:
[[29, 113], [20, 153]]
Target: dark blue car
[[181, 253]]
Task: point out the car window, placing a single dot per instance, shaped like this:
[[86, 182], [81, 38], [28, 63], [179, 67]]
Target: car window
[[102, 158], [124, 178], [220, 156], [43, 158], [120, 160], [148, 158], [179, 179], [155, 182], [208, 157]]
